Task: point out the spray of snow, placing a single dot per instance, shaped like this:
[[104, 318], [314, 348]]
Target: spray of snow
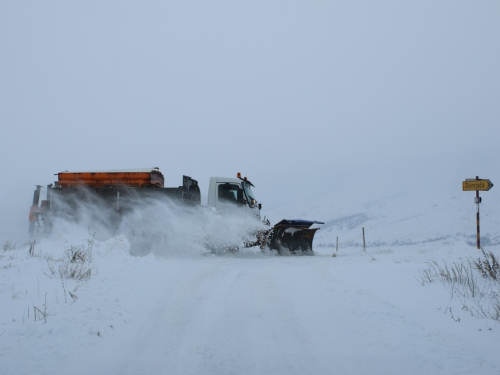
[[163, 227]]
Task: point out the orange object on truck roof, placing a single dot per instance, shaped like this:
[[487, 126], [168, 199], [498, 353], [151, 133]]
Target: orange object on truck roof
[[125, 177]]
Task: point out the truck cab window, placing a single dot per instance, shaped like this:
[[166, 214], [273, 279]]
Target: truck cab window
[[231, 193]]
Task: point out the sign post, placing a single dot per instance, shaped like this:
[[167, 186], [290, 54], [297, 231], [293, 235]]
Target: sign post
[[477, 201], [476, 184]]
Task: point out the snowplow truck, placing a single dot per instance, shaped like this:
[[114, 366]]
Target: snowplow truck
[[115, 193]]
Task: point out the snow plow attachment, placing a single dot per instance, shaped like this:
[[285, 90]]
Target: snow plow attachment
[[292, 237]]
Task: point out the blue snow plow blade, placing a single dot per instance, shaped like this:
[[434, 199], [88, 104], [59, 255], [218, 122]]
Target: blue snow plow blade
[[293, 237], [299, 223]]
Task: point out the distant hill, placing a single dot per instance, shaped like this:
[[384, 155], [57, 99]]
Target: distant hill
[[405, 219]]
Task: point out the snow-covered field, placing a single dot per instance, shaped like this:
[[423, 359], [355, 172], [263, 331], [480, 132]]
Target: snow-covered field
[[251, 312], [405, 219]]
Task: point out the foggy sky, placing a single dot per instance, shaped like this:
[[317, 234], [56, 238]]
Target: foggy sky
[[306, 98]]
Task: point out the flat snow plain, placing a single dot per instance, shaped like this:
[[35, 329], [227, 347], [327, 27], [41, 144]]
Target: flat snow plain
[[251, 312]]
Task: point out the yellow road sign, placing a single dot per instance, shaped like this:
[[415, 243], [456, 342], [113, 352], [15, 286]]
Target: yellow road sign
[[472, 185]]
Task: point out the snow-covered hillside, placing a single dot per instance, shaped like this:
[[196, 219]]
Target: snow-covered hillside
[[82, 306], [404, 219]]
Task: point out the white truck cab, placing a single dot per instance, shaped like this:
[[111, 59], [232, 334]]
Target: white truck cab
[[232, 193]]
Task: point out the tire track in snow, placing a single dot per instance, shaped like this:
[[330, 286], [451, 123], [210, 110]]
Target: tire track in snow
[[230, 318], [175, 298], [258, 333]]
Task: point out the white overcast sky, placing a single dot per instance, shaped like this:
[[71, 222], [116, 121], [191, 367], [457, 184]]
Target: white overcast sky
[[303, 97]]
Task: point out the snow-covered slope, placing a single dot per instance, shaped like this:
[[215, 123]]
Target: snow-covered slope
[[400, 220]]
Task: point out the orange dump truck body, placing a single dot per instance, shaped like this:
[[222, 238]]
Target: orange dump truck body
[[132, 178]]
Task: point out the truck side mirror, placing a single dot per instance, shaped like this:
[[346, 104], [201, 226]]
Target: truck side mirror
[[260, 206]]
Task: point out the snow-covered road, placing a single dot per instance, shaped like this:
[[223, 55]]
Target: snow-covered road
[[253, 313]]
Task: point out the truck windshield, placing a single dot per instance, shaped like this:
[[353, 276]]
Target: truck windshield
[[249, 193]]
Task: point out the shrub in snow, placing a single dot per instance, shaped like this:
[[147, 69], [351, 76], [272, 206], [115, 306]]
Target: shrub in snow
[[7, 246], [481, 297], [76, 263], [488, 266], [31, 250]]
